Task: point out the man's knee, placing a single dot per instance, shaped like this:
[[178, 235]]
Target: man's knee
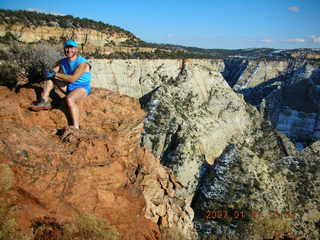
[[70, 101], [48, 84], [75, 96]]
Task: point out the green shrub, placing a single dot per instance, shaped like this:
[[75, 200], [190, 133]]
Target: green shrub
[[8, 37], [8, 75], [266, 227], [6, 178], [26, 63], [89, 227], [8, 225], [172, 233]]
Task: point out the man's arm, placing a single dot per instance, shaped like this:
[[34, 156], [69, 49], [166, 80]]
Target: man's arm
[[56, 67], [83, 67]]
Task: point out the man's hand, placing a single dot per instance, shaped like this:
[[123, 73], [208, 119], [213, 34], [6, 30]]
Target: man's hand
[[82, 68], [50, 74]]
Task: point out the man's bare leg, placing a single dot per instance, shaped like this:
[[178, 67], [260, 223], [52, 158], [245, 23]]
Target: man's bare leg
[[72, 98], [48, 86], [44, 103]]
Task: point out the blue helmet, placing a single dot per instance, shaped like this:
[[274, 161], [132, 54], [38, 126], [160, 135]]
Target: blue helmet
[[70, 43]]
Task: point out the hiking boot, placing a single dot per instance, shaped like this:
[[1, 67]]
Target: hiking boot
[[42, 105], [71, 135]]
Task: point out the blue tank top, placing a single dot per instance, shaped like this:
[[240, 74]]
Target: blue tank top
[[70, 67]]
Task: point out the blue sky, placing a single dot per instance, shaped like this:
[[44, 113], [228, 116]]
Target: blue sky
[[230, 24]]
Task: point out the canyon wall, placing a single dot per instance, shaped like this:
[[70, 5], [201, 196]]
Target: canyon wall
[[89, 40], [221, 149], [192, 112], [287, 92]]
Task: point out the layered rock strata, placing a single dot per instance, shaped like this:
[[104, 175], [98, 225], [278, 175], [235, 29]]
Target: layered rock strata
[[90, 40], [137, 78]]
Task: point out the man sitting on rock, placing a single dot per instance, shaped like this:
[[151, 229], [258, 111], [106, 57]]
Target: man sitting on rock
[[72, 75]]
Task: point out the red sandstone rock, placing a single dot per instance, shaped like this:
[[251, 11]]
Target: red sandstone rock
[[101, 169]]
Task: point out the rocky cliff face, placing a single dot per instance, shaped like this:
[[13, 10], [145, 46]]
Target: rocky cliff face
[[220, 148], [287, 91], [81, 35], [192, 112], [247, 194], [135, 78], [90, 40], [100, 170]]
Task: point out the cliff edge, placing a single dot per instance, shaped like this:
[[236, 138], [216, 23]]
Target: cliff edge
[[51, 173]]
